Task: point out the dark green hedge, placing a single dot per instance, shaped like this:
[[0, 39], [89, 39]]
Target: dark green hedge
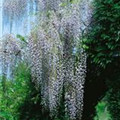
[[103, 47], [104, 36]]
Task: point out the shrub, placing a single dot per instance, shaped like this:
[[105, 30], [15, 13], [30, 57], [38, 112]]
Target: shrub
[[104, 37]]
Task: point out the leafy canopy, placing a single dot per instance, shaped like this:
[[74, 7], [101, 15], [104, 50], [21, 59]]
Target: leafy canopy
[[103, 43]]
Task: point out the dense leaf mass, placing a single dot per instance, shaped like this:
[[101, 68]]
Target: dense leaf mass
[[103, 48], [104, 39]]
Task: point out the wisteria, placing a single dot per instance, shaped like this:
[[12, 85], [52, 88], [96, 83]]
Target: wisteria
[[47, 67], [14, 8], [54, 52], [52, 57], [10, 54], [18, 15]]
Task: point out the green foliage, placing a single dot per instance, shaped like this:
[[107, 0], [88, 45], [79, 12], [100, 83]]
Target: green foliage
[[114, 104], [113, 95], [21, 38], [32, 109], [103, 48], [104, 37], [101, 111], [15, 93], [20, 100]]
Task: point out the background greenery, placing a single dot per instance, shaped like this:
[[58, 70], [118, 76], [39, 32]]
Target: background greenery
[[14, 92], [103, 48], [20, 100]]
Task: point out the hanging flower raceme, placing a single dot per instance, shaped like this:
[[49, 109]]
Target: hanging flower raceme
[[46, 68], [57, 57], [10, 54], [14, 8], [46, 5]]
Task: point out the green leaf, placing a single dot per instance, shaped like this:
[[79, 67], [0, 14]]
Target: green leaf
[[21, 38]]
